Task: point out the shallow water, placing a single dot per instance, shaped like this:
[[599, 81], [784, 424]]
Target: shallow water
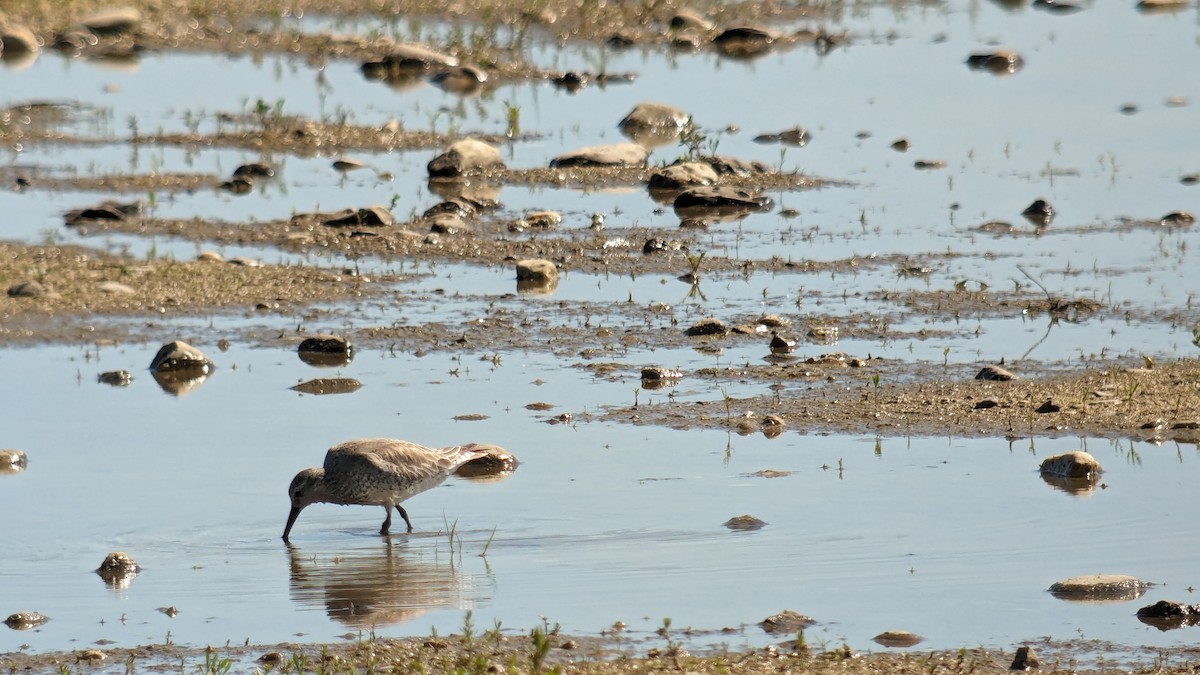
[[600, 523], [954, 539]]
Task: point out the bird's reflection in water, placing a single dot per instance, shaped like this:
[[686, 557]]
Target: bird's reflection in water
[[376, 586]]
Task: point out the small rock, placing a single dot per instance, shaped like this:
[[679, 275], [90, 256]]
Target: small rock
[[12, 461], [118, 569], [180, 356], [28, 289], [115, 378], [720, 198], [328, 385], [995, 373], [781, 345], [465, 157], [929, 164], [371, 216], [271, 659], [255, 170], [25, 620], [496, 462], [744, 41], [238, 185], [1048, 406], [617, 154], [986, 404], [686, 19], [115, 288], [17, 40], [92, 656], [795, 137], [1076, 464], [658, 245], [1099, 587], [112, 20], [786, 622], [744, 523], [543, 220], [897, 638], [1001, 62], [901, 145], [405, 60], [654, 373], [654, 122], [682, 176], [707, 326], [460, 80], [1177, 219], [537, 271], [326, 344], [1040, 213], [1024, 659], [209, 256], [345, 165]]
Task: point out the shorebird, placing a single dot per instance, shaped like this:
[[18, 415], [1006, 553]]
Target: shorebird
[[380, 471]]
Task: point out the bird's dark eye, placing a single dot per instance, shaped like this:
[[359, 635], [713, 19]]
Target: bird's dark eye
[[299, 493]]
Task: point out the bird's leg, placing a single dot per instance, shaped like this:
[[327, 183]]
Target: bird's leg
[[387, 522], [403, 514]]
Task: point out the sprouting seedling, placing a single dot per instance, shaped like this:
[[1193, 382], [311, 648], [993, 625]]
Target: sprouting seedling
[[636, 391], [945, 357], [486, 546]]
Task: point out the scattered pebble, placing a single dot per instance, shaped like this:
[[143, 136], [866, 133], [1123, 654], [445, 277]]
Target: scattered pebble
[[1178, 219], [744, 523], [466, 157], [897, 638], [786, 622], [25, 620], [1099, 588], [346, 165], [180, 356], [1024, 659], [1000, 62], [654, 123], [371, 216], [744, 41], [12, 461], [1048, 406], [1075, 464], [995, 373], [328, 385], [795, 137], [1040, 213], [92, 656], [707, 326], [537, 271], [781, 345], [987, 403], [118, 569], [615, 155]]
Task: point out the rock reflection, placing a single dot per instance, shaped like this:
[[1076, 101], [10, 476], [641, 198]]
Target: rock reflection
[[367, 588], [179, 383]]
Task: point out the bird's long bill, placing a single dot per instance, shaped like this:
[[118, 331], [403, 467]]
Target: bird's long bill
[[291, 521]]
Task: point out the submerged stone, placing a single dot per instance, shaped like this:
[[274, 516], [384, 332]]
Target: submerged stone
[[1024, 659], [786, 622], [465, 157], [614, 155], [655, 121], [118, 569], [12, 461], [255, 170], [1040, 213], [326, 344], [498, 462], [745, 523], [897, 638], [720, 198], [370, 216], [678, 177], [115, 378], [17, 40], [1000, 62], [707, 326], [28, 289], [180, 356], [744, 41], [25, 620], [1075, 464], [328, 385], [1099, 588], [537, 271], [460, 80], [112, 20], [795, 137], [995, 373]]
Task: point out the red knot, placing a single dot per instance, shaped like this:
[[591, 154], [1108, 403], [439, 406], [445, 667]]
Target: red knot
[[380, 471]]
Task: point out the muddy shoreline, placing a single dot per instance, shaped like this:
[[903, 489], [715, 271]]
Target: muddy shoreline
[[79, 295]]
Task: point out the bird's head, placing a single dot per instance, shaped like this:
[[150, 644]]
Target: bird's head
[[307, 488]]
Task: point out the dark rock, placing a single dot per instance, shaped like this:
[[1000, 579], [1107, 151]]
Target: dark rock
[[986, 404], [1048, 406], [25, 620], [407, 60], [1177, 219], [28, 289], [112, 20], [115, 378], [721, 198], [781, 345], [654, 122], [786, 622], [498, 462], [1024, 659], [326, 344], [1076, 464], [179, 356], [995, 373], [118, 569], [745, 523], [1040, 213], [1099, 588], [465, 157], [897, 638], [688, 20], [371, 216], [238, 185], [255, 170], [708, 326], [328, 385], [678, 177], [1001, 62], [744, 41], [460, 80], [540, 271], [617, 154], [795, 137]]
